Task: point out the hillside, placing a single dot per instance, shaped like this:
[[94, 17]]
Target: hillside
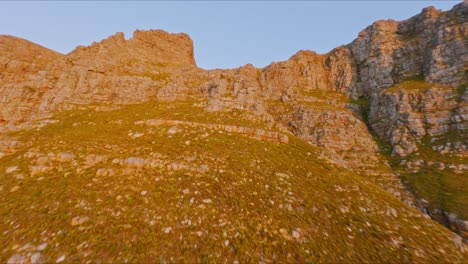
[[119, 186], [127, 151]]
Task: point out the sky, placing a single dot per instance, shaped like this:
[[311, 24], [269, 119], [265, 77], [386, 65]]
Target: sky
[[226, 34]]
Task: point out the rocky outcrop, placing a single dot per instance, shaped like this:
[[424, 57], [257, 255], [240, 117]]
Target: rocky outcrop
[[24, 79], [255, 133], [430, 45], [145, 50], [404, 116], [337, 131], [413, 74], [22, 56], [119, 71], [308, 70]]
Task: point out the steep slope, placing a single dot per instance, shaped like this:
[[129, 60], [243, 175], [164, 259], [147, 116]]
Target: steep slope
[[170, 182]]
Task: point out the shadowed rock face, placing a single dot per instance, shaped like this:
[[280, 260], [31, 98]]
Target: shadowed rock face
[[402, 80]]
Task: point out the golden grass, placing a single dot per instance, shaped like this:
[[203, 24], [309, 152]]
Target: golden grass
[[269, 202]]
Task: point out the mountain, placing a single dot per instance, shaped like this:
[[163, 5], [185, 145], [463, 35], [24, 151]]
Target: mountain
[[127, 151]]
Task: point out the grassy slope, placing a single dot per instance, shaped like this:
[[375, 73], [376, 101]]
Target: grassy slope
[[269, 201], [444, 189]]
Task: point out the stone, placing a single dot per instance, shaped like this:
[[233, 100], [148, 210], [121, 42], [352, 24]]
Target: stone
[[11, 169], [282, 175], [458, 241], [135, 162], [136, 135], [284, 233], [42, 160], [40, 169], [60, 259], [296, 234], [392, 212], [37, 258], [26, 247], [204, 168], [94, 159], [105, 172], [65, 156], [16, 259], [42, 246], [172, 130], [79, 220]]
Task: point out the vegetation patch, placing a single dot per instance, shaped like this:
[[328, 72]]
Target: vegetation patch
[[459, 91], [413, 84], [361, 101], [157, 77], [440, 186]]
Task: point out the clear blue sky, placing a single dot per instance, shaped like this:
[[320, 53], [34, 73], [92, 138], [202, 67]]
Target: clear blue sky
[[225, 34]]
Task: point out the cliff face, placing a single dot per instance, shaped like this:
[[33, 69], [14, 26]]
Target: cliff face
[[146, 50], [119, 71], [404, 82], [24, 78], [430, 49], [430, 45], [37, 81]]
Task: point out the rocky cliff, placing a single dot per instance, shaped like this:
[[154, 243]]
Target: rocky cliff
[[113, 71], [391, 106]]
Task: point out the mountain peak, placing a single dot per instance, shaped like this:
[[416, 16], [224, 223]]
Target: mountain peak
[[170, 47], [156, 47]]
